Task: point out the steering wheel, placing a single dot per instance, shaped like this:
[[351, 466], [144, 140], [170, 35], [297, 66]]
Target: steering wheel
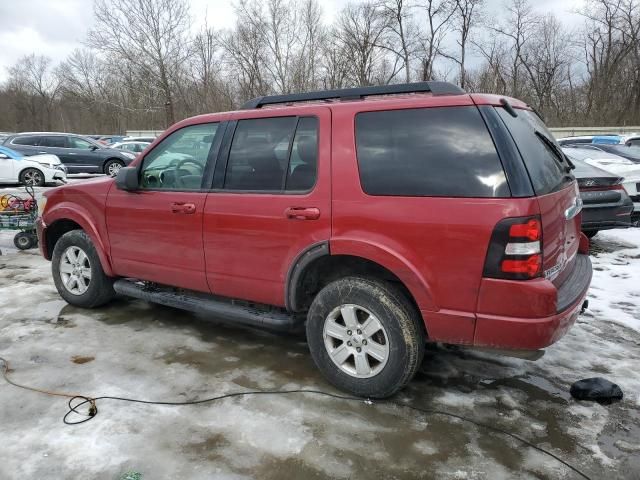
[[181, 163]]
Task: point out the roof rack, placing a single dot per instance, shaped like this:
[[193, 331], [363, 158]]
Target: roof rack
[[437, 88]]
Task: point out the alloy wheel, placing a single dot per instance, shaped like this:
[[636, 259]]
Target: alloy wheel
[[75, 270], [356, 341]]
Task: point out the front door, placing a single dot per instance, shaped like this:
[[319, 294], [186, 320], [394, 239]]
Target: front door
[[83, 156], [271, 201], [155, 233]]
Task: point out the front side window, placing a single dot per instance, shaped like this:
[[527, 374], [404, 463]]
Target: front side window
[[76, 142], [438, 151], [179, 161]]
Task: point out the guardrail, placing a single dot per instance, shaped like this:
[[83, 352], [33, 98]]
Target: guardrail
[[577, 131]]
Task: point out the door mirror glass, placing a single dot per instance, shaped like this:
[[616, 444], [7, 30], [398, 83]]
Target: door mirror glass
[[127, 179]]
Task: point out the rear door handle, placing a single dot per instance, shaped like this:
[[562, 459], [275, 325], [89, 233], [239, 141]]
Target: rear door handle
[[186, 208], [302, 213]]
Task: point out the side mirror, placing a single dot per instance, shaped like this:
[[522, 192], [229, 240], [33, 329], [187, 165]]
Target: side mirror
[[94, 148], [127, 179]]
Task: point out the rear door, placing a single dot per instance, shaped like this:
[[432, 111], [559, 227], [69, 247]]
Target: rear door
[[555, 188], [270, 201], [57, 145]]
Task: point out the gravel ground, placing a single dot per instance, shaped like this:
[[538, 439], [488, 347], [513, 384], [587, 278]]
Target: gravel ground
[[134, 349]]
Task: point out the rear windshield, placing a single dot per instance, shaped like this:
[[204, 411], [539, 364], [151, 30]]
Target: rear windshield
[[545, 165], [439, 151]]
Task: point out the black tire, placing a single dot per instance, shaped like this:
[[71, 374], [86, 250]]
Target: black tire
[[402, 325], [23, 241], [113, 166], [591, 233], [100, 287], [32, 176]]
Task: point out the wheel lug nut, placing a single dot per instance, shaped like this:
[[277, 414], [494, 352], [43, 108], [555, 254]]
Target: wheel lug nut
[[359, 331], [349, 343], [358, 349], [349, 332], [364, 342]]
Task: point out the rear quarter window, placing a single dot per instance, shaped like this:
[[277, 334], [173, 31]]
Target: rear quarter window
[[25, 140], [438, 151]]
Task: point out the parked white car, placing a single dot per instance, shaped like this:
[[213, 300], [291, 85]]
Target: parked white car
[[35, 170], [615, 164]]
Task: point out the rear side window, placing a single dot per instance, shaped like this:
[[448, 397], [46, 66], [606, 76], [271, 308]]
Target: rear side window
[[441, 151], [27, 140], [58, 141], [273, 154], [543, 164]]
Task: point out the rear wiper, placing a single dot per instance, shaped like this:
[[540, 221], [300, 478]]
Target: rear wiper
[[560, 155]]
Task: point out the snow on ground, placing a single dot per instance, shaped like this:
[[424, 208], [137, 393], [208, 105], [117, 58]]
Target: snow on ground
[[131, 348]]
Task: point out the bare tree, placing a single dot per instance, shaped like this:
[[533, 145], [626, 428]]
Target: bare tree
[[545, 59], [439, 15], [518, 27], [150, 35], [33, 75], [467, 17], [360, 29], [402, 36]]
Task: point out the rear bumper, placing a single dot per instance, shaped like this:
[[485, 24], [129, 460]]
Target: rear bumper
[[523, 333], [601, 217]]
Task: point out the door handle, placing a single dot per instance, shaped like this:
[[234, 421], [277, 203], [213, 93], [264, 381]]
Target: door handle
[[186, 208], [302, 213], [42, 152]]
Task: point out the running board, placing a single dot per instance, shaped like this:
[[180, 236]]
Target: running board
[[224, 310]]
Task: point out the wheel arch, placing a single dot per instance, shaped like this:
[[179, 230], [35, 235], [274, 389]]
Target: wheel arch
[[63, 219], [321, 263]]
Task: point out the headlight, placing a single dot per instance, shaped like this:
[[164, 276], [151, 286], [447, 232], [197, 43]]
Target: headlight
[[48, 165]]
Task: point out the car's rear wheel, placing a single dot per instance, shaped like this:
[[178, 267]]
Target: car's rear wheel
[[78, 273], [112, 167], [365, 336], [33, 177]]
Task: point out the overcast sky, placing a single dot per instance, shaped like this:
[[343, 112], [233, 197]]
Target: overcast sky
[[56, 27]]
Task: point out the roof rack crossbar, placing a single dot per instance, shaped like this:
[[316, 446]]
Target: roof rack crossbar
[[437, 88]]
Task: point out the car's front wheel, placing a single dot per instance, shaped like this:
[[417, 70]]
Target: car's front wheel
[[365, 336], [32, 176], [112, 167], [77, 271]]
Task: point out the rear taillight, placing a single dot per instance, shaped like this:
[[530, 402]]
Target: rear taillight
[[515, 250]]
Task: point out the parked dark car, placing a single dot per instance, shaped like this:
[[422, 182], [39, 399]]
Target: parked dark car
[[79, 154], [605, 203]]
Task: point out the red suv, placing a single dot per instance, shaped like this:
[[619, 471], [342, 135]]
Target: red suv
[[380, 218]]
